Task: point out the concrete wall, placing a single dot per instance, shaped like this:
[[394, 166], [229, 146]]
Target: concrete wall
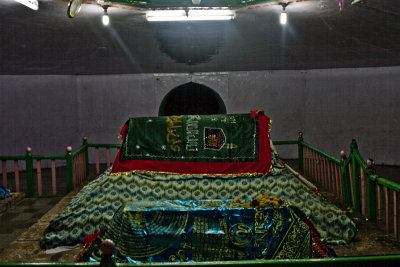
[[330, 106], [40, 112]]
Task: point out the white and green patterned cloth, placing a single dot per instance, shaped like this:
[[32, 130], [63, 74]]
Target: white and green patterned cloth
[[94, 206]]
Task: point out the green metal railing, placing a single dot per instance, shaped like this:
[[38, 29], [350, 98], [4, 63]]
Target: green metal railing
[[352, 179], [76, 164]]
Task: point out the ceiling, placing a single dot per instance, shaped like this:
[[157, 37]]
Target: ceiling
[[317, 35]]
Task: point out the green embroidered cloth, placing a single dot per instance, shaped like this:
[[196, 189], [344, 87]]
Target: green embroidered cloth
[[193, 138], [196, 144]]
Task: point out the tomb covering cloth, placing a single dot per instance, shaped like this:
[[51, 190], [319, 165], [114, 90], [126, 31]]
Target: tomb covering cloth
[[181, 231], [196, 144]]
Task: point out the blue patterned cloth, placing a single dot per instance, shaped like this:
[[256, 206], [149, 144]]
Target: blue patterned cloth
[[4, 192], [182, 231]]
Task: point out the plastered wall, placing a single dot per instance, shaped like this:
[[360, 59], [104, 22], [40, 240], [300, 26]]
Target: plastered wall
[[331, 107]]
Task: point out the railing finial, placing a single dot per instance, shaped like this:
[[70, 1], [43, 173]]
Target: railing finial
[[343, 154], [107, 247], [371, 165], [69, 148], [84, 138], [300, 134], [28, 149], [353, 144]]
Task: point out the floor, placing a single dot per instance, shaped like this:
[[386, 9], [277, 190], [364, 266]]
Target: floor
[[19, 218], [30, 213]]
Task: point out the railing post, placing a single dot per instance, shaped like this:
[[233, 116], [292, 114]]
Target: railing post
[[108, 248], [300, 149], [85, 143], [68, 157], [345, 180], [30, 182], [371, 192], [356, 170]]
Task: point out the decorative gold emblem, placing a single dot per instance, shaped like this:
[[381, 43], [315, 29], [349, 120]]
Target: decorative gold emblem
[[214, 138], [240, 234]]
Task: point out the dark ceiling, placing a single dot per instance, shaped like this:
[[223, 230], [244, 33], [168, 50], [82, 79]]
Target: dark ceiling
[[317, 35]]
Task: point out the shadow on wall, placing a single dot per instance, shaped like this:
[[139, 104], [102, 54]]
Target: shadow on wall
[[191, 43], [192, 98]]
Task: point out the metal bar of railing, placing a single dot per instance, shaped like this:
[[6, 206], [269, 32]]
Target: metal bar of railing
[[30, 182], [327, 175], [110, 145], [97, 160], [16, 176], [108, 161], [395, 218], [379, 201], [53, 177], [4, 168], [387, 225], [39, 176], [355, 180], [351, 179], [305, 161], [70, 171], [338, 180], [363, 193], [315, 167]]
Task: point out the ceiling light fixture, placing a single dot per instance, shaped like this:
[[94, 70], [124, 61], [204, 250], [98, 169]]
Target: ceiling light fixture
[[283, 17], [106, 18], [217, 14], [33, 4], [190, 15]]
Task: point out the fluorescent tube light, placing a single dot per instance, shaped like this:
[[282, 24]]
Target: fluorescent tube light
[[218, 14], [33, 4], [283, 18], [106, 19], [165, 15], [191, 15]]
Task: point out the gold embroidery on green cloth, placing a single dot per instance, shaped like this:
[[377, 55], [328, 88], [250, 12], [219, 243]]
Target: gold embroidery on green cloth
[[136, 241], [191, 174], [292, 240], [207, 244]]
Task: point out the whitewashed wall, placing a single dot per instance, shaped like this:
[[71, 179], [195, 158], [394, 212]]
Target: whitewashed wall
[[331, 107]]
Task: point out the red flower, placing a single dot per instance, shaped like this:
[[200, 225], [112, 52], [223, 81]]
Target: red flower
[[255, 113]]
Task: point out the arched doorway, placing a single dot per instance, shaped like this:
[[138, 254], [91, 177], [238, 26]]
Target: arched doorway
[[191, 98]]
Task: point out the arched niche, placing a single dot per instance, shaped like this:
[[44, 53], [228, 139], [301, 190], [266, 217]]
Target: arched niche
[[191, 98]]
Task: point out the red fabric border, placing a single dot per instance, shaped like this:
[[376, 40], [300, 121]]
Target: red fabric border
[[261, 166]]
